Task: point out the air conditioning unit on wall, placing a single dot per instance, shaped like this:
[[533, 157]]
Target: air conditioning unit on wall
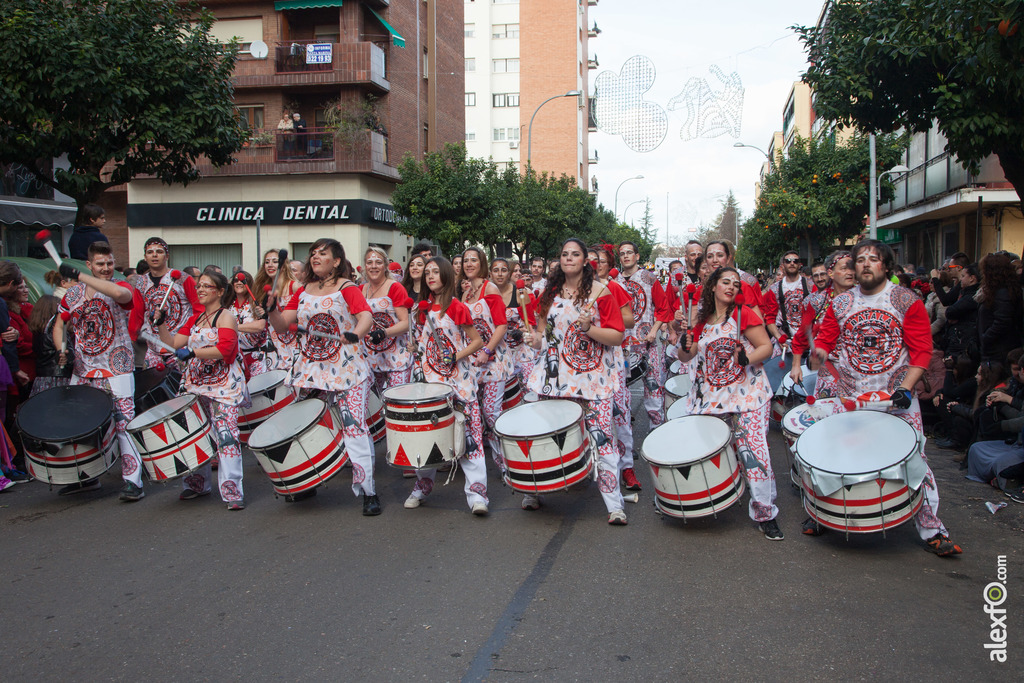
[[514, 144]]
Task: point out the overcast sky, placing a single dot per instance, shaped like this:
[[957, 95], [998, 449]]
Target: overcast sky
[[684, 38]]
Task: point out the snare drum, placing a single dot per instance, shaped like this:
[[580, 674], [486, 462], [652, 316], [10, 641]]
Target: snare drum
[[173, 438], [798, 419], [153, 387], [300, 447], [677, 389], [787, 397], [861, 471], [68, 434], [513, 393], [696, 472], [546, 446], [636, 368], [423, 428], [375, 417], [268, 394]]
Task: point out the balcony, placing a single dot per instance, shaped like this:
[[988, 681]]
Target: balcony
[[288, 66], [316, 151]]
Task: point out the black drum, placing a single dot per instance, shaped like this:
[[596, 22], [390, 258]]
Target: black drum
[[154, 386], [68, 434]]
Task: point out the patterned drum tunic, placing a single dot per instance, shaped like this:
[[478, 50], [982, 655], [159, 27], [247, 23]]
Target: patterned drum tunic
[[523, 355], [391, 360], [251, 345], [488, 313], [182, 304]]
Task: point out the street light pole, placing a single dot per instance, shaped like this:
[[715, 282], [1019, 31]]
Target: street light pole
[[626, 210], [636, 177], [740, 144], [873, 199], [529, 137]]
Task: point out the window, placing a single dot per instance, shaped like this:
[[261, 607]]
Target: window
[[506, 66], [246, 30], [470, 135], [471, 99], [503, 134], [250, 116], [224, 255], [499, 135], [506, 99], [470, 64], [470, 30], [513, 133], [505, 31]]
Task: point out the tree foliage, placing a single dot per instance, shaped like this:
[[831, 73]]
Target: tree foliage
[[132, 83], [818, 193], [889, 64]]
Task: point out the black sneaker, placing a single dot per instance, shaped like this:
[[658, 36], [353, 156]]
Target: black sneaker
[[810, 527], [72, 489], [17, 476], [371, 505], [1017, 495], [771, 530], [301, 495], [131, 493]]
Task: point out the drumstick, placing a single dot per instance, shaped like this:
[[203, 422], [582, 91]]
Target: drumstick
[[65, 318], [44, 237], [521, 296], [239, 277], [855, 403], [691, 290], [318, 333], [739, 308], [145, 336], [282, 258], [175, 274]]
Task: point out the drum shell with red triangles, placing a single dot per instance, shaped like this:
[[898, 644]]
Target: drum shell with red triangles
[[513, 393], [268, 394], [546, 446], [423, 428], [173, 438]]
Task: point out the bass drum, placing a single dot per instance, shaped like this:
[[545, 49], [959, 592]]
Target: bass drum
[[173, 438]]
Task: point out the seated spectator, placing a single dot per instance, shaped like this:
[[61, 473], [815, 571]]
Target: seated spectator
[[958, 391]]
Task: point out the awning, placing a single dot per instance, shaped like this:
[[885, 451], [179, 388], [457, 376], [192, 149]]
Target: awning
[[305, 4], [396, 37], [36, 212]]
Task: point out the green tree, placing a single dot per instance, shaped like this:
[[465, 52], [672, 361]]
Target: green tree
[[122, 87], [818, 194], [890, 64]]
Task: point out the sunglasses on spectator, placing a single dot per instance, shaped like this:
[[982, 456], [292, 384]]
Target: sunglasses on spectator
[[791, 260]]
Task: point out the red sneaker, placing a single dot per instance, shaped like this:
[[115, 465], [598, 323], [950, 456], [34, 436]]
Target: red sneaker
[[630, 480]]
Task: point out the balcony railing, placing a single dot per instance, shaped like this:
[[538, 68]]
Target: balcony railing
[[292, 57], [348, 63], [936, 176]]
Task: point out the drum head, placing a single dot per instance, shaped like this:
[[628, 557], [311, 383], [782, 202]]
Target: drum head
[[797, 419], [64, 413], [678, 385], [857, 442], [538, 419], [161, 412], [261, 383], [417, 392], [686, 439], [287, 423]]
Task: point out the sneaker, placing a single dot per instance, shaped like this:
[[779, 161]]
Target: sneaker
[[617, 518], [408, 474], [6, 483], [17, 476], [1017, 496], [412, 502], [371, 505], [301, 495], [630, 480], [771, 530], [191, 494], [942, 546], [215, 463], [531, 502], [131, 493], [72, 489], [236, 505], [479, 509], [810, 527]]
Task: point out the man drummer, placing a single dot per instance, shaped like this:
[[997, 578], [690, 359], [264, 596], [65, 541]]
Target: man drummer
[[839, 269], [104, 357], [783, 308], [181, 304], [881, 334]]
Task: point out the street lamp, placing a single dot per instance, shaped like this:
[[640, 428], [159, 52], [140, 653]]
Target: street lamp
[[895, 170], [636, 177], [529, 137], [876, 195], [626, 210], [740, 144]]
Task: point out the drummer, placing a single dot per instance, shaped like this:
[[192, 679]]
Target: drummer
[[888, 355], [282, 347], [448, 340], [182, 301], [103, 355], [493, 363], [252, 326], [331, 304], [207, 347], [841, 278], [523, 355], [386, 345], [729, 379], [583, 325], [602, 259]]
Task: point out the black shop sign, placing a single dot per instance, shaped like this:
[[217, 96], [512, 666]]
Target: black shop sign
[[360, 211]]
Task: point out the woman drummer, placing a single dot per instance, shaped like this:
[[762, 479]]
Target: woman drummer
[[283, 346], [386, 346], [207, 348], [523, 355], [332, 317], [413, 283], [447, 341], [729, 379], [577, 362], [252, 328], [494, 361]]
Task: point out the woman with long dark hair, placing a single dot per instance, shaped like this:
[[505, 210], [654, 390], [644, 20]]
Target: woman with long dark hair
[[413, 280], [448, 340], [999, 315], [523, 355], [49, 373], [333, 317], [730, 380], [252, 327], [386, 346], [283, 346], [582, 326]]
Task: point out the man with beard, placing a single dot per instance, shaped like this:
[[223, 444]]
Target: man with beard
[[783, 307]]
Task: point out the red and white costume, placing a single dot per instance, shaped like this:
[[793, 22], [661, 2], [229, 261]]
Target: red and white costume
[[105, 359], [220, 386], [877, 339], [182, 304], [585, 372], [649, 305], [488, 313], [722, 386], [251, 345], [523, 355], [390, 361], [440, 339], [622, 406], [337, 370], [285, 346], [813, 314]]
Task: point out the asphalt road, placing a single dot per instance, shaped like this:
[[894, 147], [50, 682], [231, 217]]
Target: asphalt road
[[95, 589]]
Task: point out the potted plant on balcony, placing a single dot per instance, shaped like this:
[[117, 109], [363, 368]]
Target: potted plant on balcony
[[263, 138], [351, 120]]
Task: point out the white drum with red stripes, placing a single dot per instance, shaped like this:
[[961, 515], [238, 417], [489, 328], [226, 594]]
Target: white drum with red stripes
[[677, 388], [861, 471], [423, 428], [695, 469], [375, 417], [546, 446], [798, 419], [173, 438], [300, 447], [269, 394], [513, 393]]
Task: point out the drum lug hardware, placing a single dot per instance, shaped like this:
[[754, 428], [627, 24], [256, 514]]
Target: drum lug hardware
[[433, 419]]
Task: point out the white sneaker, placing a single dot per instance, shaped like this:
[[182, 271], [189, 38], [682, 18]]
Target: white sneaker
[[531, 502], [479, 509], [617, 518], [412, 502]]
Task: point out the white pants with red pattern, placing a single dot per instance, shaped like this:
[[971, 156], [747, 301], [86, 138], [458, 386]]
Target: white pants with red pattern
[[352, 407], [492, 395], [122, 389], [927, 518], [654, 382], [385, 379], [598, 416], [229, 469], [474, 466], [622, 417], [752, 426]]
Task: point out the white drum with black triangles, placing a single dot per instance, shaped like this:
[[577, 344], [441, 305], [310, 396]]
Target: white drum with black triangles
[[545, 444], [173, 438], [423, 428]]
